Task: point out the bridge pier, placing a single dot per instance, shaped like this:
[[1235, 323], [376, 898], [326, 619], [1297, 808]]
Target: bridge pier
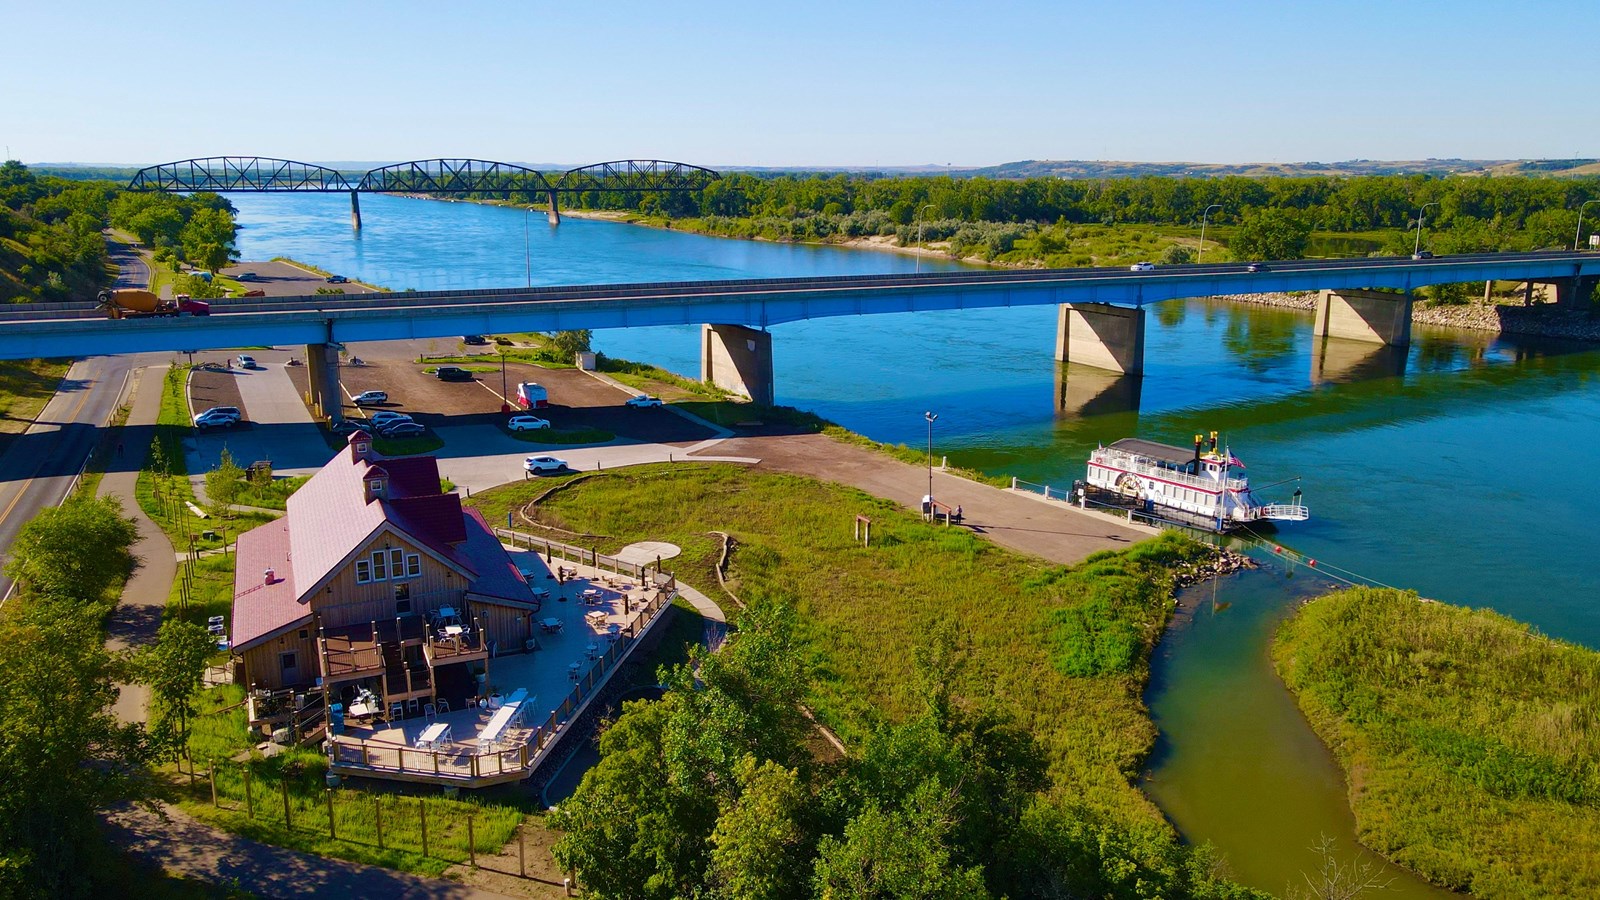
[[1376, 317], [739, 360], [355, 210], [555, 210], [1102, 336], [324, 395], [1575, 292]]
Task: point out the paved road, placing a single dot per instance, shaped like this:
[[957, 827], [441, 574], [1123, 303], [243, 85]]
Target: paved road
[[133, 270], [281, 279]]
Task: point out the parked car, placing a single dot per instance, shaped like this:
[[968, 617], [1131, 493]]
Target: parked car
[[643, 401], [1142, 267], [336, 279], [1256, 267], [1422, 254], [536, 464], [402, 429], [215, 419], [347, 426], [526, 423], [254, 293], [370, 398], [452, 373], [221, 411], [247, 276], [384, 416], [476, 340], [247, 362]]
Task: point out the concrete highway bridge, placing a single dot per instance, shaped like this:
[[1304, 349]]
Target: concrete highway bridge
[[1100, 321], [260, 174]]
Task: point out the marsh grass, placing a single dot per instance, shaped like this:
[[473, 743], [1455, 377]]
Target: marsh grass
[[1472, 741]]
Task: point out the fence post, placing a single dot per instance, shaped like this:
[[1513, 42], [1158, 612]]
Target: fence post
[[422, 813], [333, 834], [288, 825], [211, 774], [249, 800], [377, 817], [522, 854], [472, 843]]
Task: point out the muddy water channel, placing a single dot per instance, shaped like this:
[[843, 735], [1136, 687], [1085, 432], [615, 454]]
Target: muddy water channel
[[1459, 467]]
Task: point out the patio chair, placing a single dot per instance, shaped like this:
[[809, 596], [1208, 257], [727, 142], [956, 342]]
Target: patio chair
[[429, 711], [397, 710], [413, 707], [443, 706]]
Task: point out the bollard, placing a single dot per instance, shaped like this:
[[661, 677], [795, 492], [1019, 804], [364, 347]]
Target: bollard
[[566, 885], [332, 832]]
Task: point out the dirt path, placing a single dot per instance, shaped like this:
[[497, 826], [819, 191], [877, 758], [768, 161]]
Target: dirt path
[[1053, 531], [181, 845]]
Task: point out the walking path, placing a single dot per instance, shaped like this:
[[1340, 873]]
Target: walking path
[[137, 617], [179, 844]]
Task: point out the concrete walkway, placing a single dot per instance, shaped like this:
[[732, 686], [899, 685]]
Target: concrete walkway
[[138, 616], [181, 845]]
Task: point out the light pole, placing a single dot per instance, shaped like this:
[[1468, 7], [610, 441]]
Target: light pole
[[505, 404], [931, 417], [919, 235], [1421, 213], [1579, 233], [527, 260], [1203, 215]]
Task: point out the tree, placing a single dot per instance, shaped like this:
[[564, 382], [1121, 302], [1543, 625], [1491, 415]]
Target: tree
[[896, 855], [223, 485], [762, 843], [568, 344], [77, 551], [173, 668], [1270, 234]]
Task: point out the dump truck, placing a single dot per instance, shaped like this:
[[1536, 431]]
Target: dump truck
[[128, 303], [532, 395]]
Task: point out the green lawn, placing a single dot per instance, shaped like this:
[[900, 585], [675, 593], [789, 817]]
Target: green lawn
[[1063, 650], [26, 385], [558, 436], [1472, 743]]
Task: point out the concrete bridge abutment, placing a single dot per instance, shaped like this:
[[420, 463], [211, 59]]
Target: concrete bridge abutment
[[324, 396], [355, 210], [1376, 317], [555, 210], [739, 360], [1575, 292], [1101, 336]]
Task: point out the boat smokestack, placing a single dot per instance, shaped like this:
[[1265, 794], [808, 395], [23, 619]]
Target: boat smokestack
[[1199, 441], [1213, 442]]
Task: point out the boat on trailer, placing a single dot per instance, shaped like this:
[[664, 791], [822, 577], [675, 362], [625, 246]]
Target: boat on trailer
[[1201, 487]]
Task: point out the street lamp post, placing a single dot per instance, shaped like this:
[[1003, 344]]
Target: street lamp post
[[1421, 215], [1576, 235], [1203, 215], [931, 417], [505, 404], [920, 223]]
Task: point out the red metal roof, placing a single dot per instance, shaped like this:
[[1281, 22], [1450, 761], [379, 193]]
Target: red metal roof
[[259, 608], [498, 576]]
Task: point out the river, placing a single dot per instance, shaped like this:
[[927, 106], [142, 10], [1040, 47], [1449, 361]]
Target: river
[[1452, 468]]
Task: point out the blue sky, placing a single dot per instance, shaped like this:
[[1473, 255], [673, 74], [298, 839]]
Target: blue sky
[[811, 83]]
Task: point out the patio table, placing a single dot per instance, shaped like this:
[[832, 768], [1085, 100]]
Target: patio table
[[434, 735], [551, 625]]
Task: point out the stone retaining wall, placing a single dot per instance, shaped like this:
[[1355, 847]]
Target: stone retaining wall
[[1545, 320]]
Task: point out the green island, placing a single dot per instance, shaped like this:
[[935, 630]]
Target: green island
[[1469, 740]]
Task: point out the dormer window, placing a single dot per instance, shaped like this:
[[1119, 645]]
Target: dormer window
[[376, 488]]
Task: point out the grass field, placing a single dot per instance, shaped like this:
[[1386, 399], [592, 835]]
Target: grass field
[[1471, 742], [1065, 651], [26, 385]]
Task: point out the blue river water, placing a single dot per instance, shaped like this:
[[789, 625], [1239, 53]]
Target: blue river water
[[1454, 468]]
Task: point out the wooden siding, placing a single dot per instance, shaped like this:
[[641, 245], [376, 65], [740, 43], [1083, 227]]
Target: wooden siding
[[343, 602], [261, 666], [501, 624]]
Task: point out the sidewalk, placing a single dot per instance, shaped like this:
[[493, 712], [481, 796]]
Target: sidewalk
[[181, 845], [138, 617]]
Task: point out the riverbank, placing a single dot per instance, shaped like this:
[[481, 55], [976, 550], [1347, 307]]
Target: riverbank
[[1541, 320], [1469, 740]]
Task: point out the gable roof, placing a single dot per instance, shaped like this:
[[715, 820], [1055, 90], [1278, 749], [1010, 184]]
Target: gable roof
[[498, 577], [261, 609]]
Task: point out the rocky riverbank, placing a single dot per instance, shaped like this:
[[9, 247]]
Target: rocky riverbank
[[1225, 562], [1542, 319]]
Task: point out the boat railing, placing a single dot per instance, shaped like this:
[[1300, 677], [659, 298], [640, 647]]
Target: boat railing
[[1286, 512], [1142, 466]]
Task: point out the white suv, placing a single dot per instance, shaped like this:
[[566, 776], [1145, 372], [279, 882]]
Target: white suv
[[543, 464], [527, 423], [1142, 267], [216, 418]]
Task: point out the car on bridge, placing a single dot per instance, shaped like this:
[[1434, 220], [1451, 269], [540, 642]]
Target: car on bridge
[[1142, 267], [527, 423], [535, 465], [370, 398], [1422, 254], [336, 279], [643, 401], [1256, 267], [452, 373]]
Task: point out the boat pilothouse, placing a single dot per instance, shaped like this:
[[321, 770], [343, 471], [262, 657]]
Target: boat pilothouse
[[1172, 482]]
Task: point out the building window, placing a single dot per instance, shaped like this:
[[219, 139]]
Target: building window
[[402, 600], [380, 566], [363, 571], [413, 565], [304, 634], [288, 661]]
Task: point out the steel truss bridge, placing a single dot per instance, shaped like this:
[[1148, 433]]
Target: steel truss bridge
[[259, 174]]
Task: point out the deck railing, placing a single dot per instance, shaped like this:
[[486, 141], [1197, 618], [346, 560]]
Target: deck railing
[[553, 550]]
